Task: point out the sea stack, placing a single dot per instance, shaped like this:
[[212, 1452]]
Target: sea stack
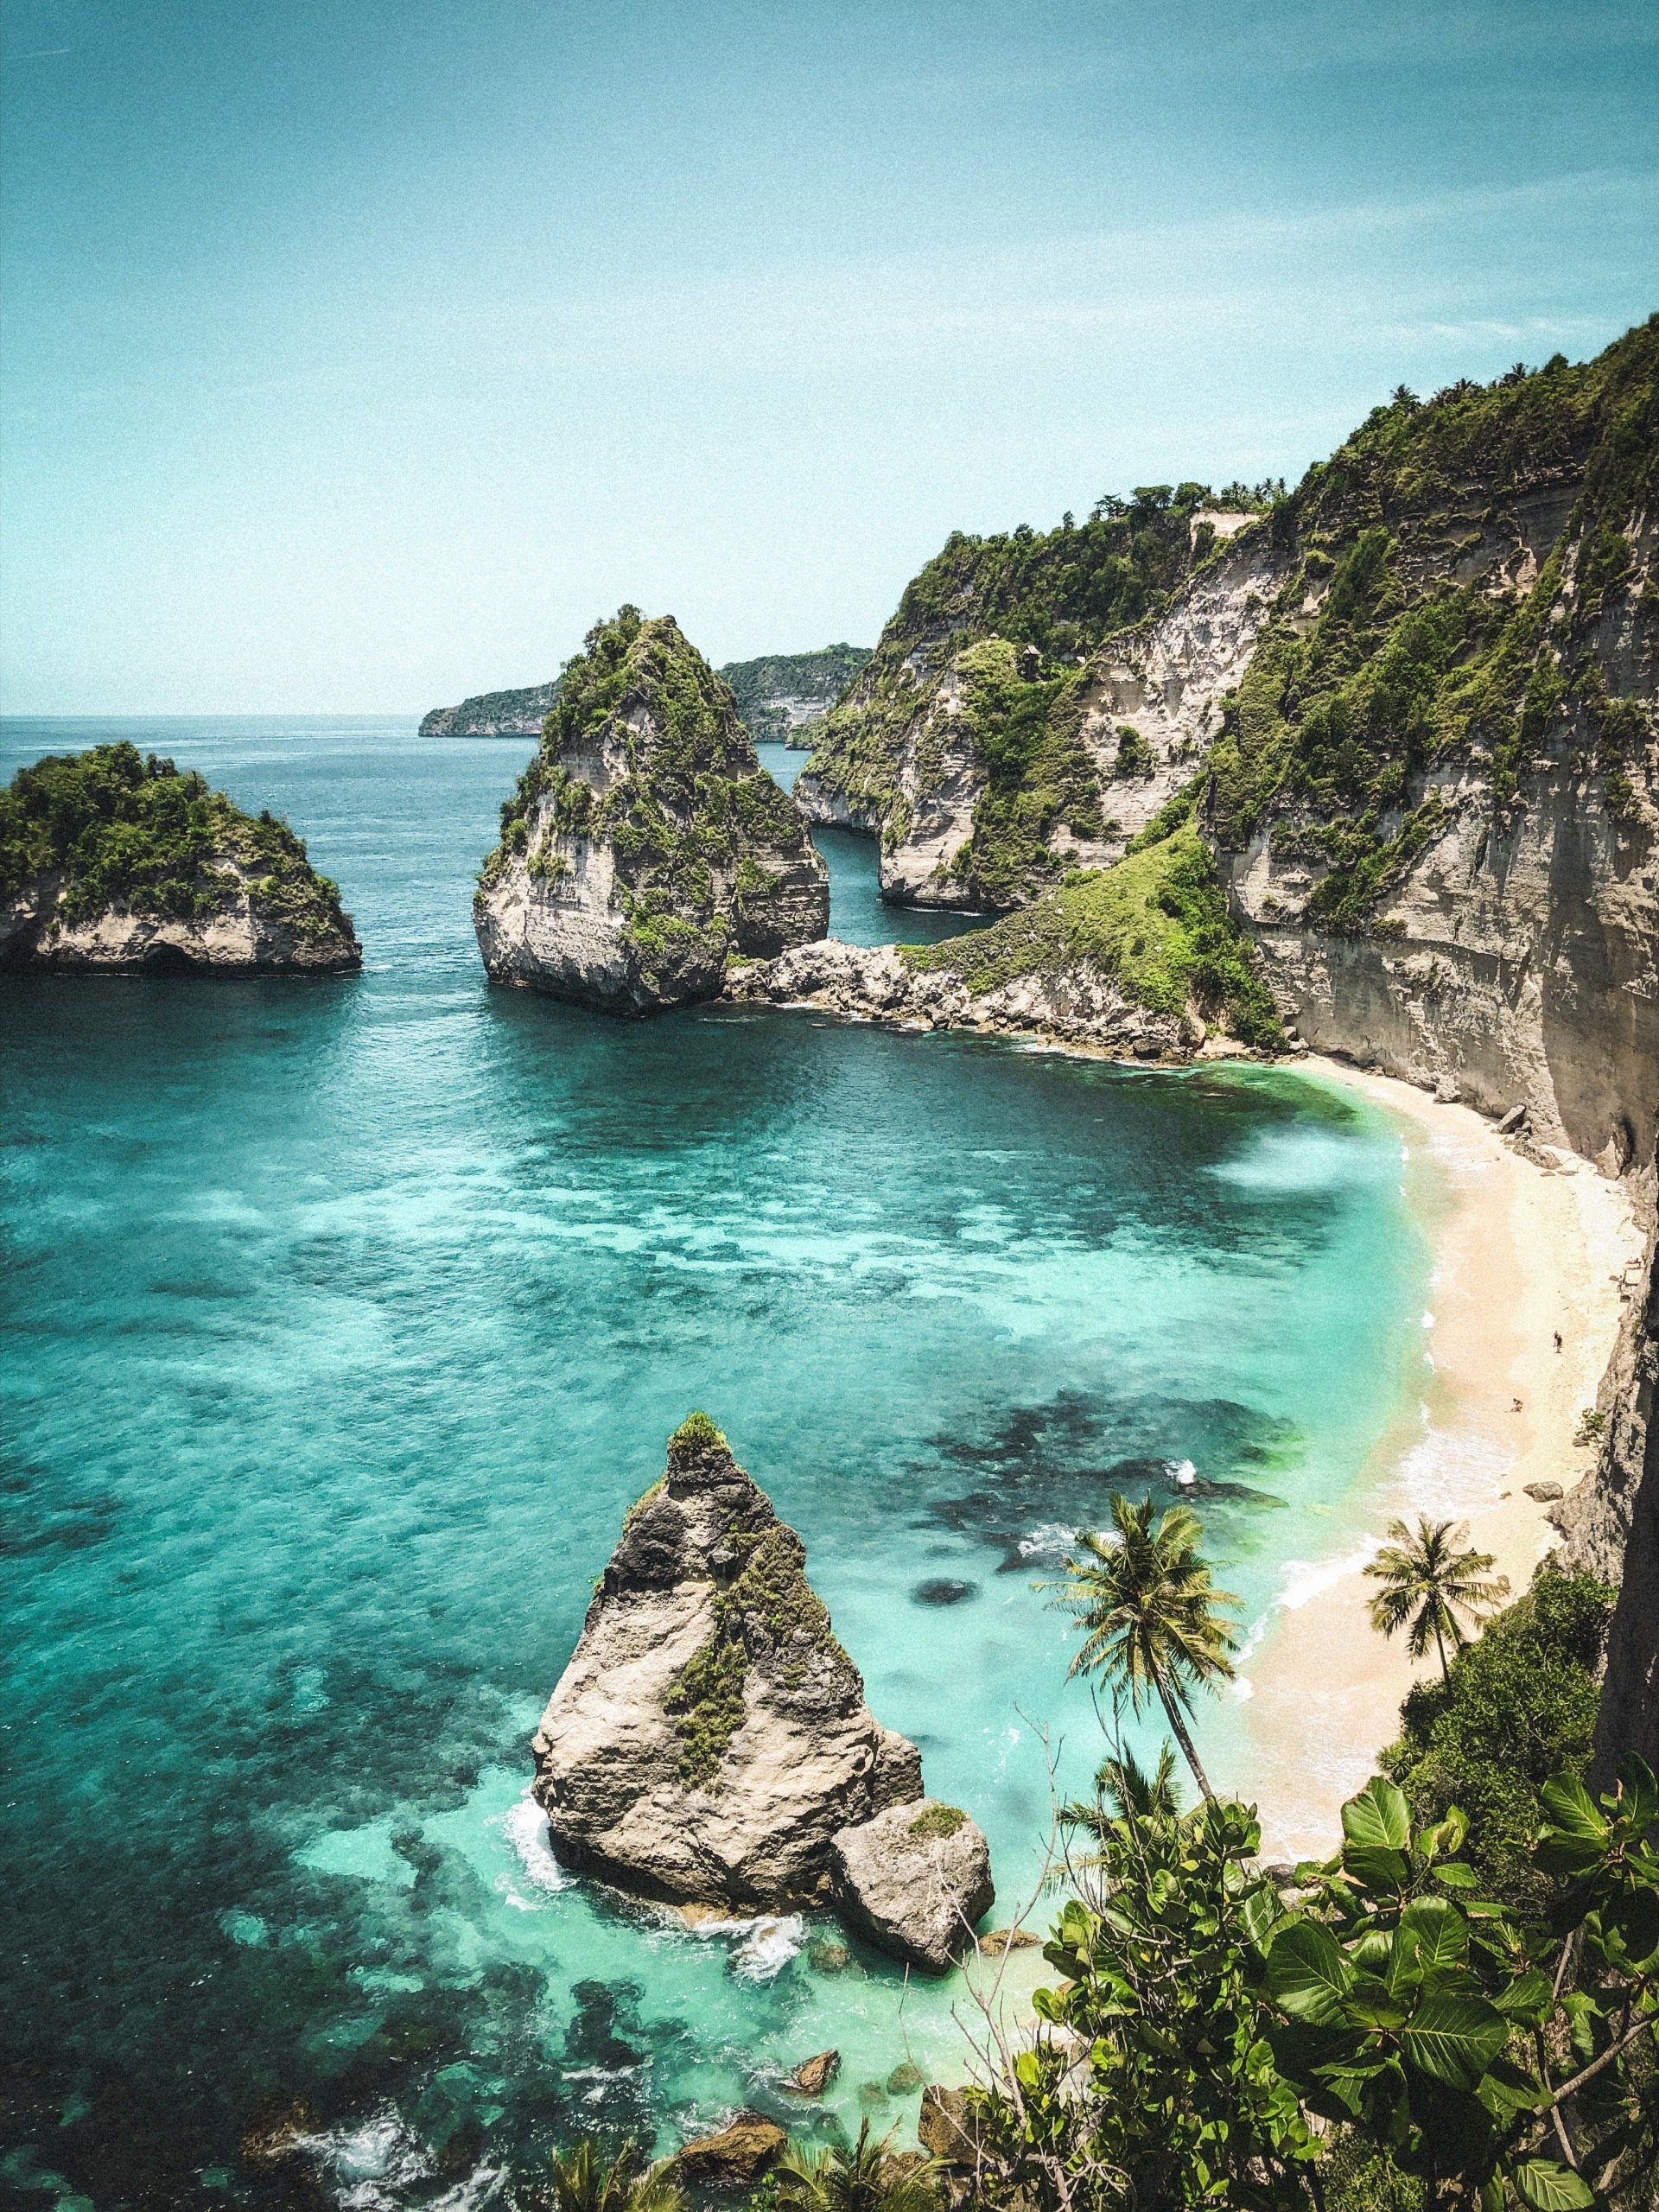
[[710, 1743], [644, 844], [112, 861]]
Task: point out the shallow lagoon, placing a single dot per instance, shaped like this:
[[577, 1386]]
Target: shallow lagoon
[[345, 1320]]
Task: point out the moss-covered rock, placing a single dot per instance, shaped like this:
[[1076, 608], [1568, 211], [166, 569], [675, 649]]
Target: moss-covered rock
[[645, 843], [114, 860]]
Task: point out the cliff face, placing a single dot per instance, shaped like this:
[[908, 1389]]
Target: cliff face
[[710, 1742], [994, 741], [1435, 786], [781, 697], [113, 863], [645, 843], [495, 713]]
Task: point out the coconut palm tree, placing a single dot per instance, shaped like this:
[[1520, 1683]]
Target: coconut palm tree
[[589, 2179], [1429, 1579], [1152, 1619], [866, 2178], [1124, 1792]]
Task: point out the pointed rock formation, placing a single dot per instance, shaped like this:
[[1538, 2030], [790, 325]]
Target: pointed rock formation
[[710, 1742], [645, 843]]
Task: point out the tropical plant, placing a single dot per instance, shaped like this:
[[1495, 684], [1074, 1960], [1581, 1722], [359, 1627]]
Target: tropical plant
[[589, 2178], [1219, 2037], [1157, 2087], [1516, 1708], [1151, 1616], [1429, 1581], [866, 2177]]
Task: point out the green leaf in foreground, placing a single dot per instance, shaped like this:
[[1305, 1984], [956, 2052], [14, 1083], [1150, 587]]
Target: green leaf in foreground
[[1454, 2039], [1545, 2186]]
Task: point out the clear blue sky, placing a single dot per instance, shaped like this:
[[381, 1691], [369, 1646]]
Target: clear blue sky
[[358, 353]]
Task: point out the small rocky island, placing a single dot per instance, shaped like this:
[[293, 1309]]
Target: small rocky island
[[113, 861], [644, 845], [709, 1743]]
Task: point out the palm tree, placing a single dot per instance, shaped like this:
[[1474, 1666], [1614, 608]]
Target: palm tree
[[866, 2178], [591, 2179], [1124, 1792], [1151, 1616], [1429, 1581]]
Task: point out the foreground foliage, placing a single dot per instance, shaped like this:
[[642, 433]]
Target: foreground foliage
[[1211, 2028], [1516, 1708]]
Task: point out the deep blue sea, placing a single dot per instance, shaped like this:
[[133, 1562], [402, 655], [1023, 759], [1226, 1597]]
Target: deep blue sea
[[343, 1321]]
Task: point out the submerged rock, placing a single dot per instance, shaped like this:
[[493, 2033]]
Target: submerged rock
[[112, 861], [915, 1880], [734, 2158], [813, 2076], [645, 844], [710, 1742]]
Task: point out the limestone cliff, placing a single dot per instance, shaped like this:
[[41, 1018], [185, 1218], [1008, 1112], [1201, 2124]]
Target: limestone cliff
[[495, 713], [1036, 699], [1435, 787], [710, 1742], [114, 862], [644, 844]]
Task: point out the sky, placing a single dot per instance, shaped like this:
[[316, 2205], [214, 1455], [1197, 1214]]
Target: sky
[[356, 355]]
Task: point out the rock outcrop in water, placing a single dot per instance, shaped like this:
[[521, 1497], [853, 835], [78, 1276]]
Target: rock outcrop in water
[[645, 844], [113, 863], [710, 1742]]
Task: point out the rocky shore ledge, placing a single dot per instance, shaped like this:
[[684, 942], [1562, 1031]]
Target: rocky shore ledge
[[114, 862], [1075, 1005], [1140, 961], [708, 1742]]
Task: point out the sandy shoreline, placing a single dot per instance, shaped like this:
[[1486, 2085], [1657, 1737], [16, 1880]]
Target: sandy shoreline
[[1520, 1253]]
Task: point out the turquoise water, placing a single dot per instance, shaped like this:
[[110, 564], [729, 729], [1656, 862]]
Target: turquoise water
[[345, 1319]]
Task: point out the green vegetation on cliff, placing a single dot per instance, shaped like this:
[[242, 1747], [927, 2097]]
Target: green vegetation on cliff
[[819, 677], [1156, 923], [1397, 652], [682, 792], [120, 828], [1048, 597]]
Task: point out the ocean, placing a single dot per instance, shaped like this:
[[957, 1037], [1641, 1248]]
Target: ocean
[[345, 1319]]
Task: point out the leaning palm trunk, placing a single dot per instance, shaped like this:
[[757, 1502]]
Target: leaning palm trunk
[[1172, 1713]]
